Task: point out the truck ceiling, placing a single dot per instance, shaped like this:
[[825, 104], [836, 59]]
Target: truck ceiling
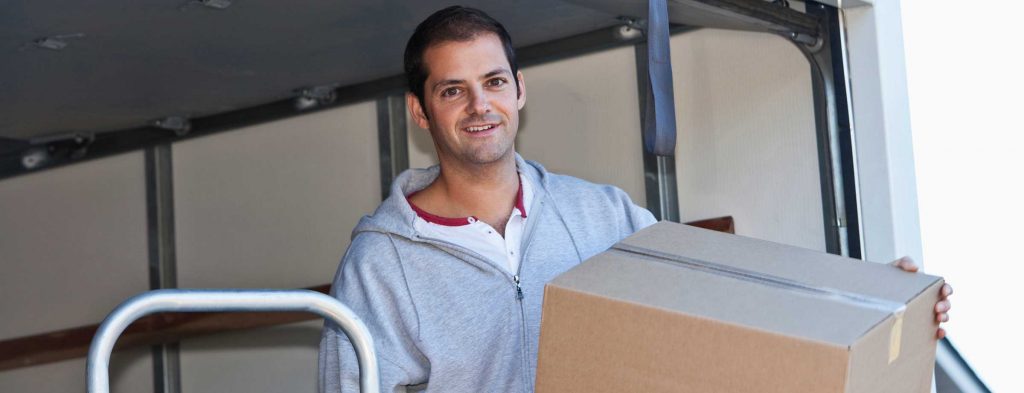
[[119, 74]]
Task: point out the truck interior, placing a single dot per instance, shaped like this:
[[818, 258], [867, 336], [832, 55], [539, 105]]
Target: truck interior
[[234, 144]]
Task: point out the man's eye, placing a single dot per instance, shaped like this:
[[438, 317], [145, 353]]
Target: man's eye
[[450, 92], [496, 82]]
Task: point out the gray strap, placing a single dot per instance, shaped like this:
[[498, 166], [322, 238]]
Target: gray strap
[[660, 113]]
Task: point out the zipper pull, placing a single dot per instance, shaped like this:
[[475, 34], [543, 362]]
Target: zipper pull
[[519, 289]]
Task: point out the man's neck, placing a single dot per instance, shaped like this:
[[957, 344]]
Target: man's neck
[[487, 192]]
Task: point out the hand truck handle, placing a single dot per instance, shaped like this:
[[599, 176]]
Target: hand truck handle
[[235, 300]]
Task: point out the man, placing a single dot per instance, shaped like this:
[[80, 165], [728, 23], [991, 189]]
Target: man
[[448, 273]]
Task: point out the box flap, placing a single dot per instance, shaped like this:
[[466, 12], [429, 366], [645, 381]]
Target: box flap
[[794, 263]]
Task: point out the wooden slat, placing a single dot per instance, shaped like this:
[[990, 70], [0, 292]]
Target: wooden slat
[[149, 330], [721, 224], [171, 327]]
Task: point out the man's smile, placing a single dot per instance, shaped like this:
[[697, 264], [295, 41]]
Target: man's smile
[[480, 128]]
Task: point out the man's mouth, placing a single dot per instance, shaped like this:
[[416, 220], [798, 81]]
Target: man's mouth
[[480, 128]]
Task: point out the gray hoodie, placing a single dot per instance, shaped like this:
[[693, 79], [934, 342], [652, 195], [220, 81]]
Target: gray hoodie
[[446, 319]]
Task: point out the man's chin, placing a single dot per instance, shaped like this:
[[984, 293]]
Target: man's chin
[[489, 157]]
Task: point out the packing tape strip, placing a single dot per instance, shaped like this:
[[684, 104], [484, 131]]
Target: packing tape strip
[[896, 309], [894, 338]]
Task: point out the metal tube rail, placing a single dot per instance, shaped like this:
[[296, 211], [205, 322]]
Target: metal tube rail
[[205, 300]]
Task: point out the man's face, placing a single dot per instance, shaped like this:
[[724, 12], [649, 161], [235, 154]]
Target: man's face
[[471, 104]]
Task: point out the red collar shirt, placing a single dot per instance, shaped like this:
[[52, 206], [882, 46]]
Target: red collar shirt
[[480, 237]]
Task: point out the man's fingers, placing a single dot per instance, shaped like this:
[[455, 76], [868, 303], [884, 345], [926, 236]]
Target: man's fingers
[[942, 307], [946, 291], [906, 263]]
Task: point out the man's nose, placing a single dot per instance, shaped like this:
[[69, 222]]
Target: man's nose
[[479, 103]]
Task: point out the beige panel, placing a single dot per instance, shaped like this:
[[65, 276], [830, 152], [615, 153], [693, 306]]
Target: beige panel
[[582, 118], [274, 205], [72, 244], [746, 144], [130, 371], [278, 359]]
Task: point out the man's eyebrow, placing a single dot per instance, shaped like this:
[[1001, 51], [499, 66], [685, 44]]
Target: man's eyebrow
[[446, 82], [498, 71]]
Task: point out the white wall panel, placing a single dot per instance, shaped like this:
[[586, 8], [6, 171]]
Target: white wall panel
[[73, 244], [72, 247], [278, 359], [746, 142], [274, 205], [130, 371], [270, 206], [582, 118]]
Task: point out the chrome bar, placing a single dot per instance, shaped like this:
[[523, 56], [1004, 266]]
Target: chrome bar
[[206, 300]]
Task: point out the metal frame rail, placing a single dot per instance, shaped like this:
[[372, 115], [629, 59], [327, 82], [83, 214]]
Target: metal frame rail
[[205, 300], [836, 135]]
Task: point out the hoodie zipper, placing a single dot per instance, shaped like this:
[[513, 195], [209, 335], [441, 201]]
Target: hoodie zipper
[[516, 279], [524, 364], [519, 289], [523, 254]]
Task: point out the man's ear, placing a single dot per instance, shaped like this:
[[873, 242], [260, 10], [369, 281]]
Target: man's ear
[[521, 100], [416, 111]]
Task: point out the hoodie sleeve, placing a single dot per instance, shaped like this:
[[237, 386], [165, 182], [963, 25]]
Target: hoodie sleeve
[[637, 218], [629, 216], [596, 216], [372, 283]]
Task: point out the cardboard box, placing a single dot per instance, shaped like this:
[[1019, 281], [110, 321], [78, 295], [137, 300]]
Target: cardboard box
[[680, 309]]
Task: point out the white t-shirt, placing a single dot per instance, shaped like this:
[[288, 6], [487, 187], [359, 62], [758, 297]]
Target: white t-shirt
[[478, 236]]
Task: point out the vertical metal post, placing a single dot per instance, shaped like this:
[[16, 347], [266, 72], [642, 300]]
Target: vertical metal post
[[832, 214], [836, 144], [836, 30], [162, 269], [659, 171], [392, 140]]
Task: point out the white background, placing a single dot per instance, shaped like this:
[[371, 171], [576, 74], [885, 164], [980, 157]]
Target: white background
[[964, 71]]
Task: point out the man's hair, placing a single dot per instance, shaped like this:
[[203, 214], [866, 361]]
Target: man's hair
[[454, 23]]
